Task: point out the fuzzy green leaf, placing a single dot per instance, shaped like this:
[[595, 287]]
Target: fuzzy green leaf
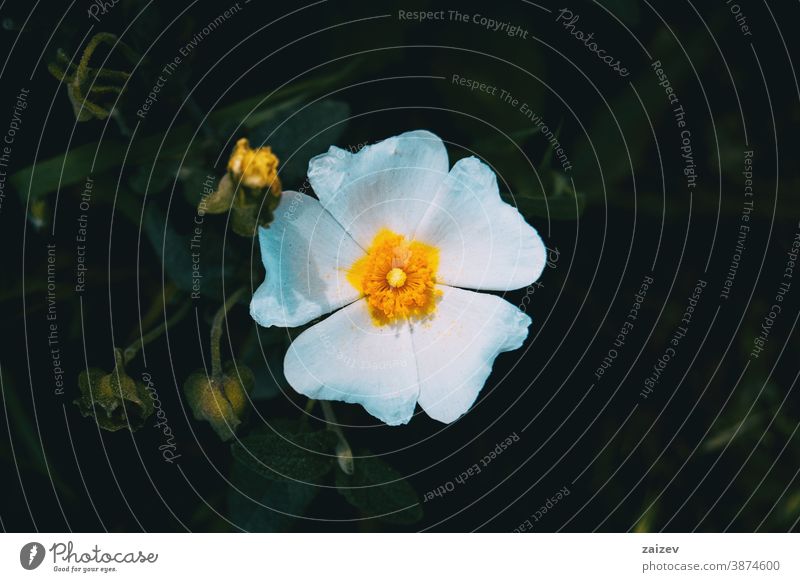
[[290, 454], [265, 505], [379, 491]]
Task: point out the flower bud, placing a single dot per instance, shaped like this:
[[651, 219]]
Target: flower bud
[[115, 400], [245, 219], [256, 169], [222, 402], [39, 213], [344, 457], [222, 198], [243, 191]]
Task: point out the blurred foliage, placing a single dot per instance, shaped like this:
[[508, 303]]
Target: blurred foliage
[[72, 167], [156, 175]]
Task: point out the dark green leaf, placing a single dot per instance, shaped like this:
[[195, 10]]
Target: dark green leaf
[[175, 251], [266, 505], [153, 178], [292, 454], [379, 491]]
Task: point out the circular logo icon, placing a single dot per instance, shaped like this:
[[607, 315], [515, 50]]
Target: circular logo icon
[[31, 555]]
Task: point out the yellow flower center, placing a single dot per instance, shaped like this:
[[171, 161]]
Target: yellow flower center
[[398, 278]]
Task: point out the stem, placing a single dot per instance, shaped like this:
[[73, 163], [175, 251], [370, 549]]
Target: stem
[[216, 334], [156, 308], [344, 454], [155, 333]]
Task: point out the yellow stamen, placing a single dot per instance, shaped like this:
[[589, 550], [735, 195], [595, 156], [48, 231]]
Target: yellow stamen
[[397, 277]]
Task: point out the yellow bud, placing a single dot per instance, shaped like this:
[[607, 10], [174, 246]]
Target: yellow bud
[[237, 382], [256, 169], [221, 402]]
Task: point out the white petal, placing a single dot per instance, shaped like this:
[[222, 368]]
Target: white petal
[[346, 357], [306, 254], [484, 243], [386, 185], [456, 346]]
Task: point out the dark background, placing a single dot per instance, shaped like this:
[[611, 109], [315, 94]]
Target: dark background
[[713, 448]]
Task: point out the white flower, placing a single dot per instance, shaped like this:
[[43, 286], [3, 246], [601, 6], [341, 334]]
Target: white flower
[[391, 242]]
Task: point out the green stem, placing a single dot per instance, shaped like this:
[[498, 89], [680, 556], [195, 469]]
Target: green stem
[[154, 311], [216, 333], [155, 333]]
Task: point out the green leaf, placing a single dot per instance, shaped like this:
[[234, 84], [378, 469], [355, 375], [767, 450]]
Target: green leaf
[[152, 178], [302, 134], [175, 251], [266, 505], [290, 453], [379, 491]]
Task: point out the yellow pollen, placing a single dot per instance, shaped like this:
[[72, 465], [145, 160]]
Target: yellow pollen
[[397, 277]]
